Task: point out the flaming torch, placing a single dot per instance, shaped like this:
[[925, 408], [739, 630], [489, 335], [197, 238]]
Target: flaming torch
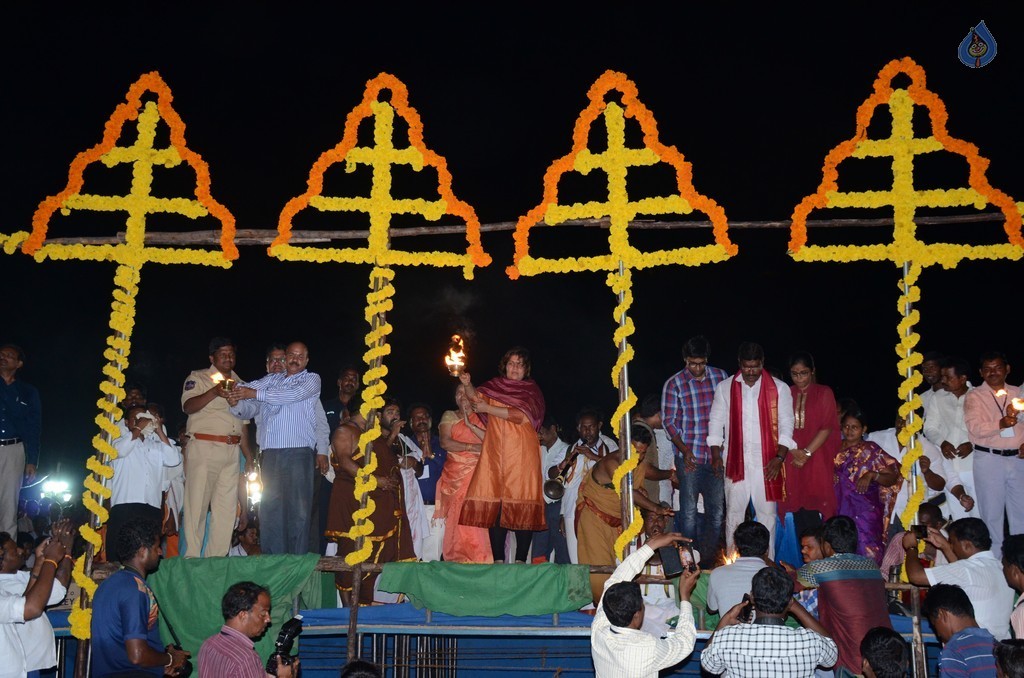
[[1018, 404], [1001, 393], [456, 358]]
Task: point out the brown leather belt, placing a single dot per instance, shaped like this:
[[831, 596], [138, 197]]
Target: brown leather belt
[[229, 440]]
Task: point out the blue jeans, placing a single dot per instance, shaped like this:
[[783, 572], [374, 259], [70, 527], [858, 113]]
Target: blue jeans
[[552, 538], [701, 482], [287, 499]]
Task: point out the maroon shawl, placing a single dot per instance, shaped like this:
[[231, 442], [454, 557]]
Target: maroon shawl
[[522, 394]]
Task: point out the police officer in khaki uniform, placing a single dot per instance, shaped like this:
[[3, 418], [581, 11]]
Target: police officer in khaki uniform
[[211, 466]]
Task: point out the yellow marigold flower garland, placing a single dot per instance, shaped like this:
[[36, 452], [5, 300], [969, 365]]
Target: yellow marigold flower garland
[[622, 258], [130, 256], [380, 206], [904, 198]]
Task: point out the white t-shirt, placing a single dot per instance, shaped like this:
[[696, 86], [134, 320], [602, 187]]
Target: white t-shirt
[[728, 583], [981, 578], [30, 642]]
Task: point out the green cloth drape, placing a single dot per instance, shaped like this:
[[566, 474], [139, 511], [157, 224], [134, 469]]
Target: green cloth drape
[[190, 591], [489, 590]]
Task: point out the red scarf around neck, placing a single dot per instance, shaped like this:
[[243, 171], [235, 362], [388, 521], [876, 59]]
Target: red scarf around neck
[[768, 422]]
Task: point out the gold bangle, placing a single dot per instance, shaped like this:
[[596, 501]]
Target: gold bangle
[[54, 562]]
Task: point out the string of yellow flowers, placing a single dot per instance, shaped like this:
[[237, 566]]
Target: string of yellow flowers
[[380, 206], [904, 198], [622, 258], [138, 204]]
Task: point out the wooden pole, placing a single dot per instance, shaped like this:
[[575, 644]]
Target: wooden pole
[[266, 236]]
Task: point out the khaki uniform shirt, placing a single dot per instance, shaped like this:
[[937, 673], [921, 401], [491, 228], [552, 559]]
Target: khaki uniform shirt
[[215, 418]]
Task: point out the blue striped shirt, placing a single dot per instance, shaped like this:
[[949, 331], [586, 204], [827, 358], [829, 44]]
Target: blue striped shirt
[[968, 653], [287, 412]]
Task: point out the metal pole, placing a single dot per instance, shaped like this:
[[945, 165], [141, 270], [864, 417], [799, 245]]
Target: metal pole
[[908, 307], [624, 427]]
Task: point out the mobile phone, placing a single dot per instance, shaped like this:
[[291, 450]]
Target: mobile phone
[[747, 613], [671, 562], [687, 557], [920, 531]]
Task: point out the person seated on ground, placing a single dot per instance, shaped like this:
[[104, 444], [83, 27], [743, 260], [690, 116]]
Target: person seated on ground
[[660, 601], [26, 637], [728, 583], [765, 646], [617, 645], [599, 509], [966, 647], [1009, 658], [246, 610], [247, 541], [972, 566], [1013, 572], [360, 668], [851, 591], [885, 654]]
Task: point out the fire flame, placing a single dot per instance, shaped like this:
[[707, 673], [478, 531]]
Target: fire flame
[[216, 377], [456, 358], [1018, 404], [1000, 393]]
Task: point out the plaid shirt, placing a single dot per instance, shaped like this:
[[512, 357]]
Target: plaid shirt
[[755, 650], [686, 409]]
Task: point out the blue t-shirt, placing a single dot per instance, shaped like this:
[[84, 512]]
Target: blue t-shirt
[[124, 609], [968, 653], [432, 472]]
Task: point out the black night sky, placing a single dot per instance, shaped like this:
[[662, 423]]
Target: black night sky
[[754, 100]]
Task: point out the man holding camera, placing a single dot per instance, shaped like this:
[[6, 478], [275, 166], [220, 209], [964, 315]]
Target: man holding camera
[[617, 645], [246, 610], [766, 646]]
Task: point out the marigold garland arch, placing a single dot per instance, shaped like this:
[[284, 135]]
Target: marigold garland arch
[[623, 257], [906, 250]]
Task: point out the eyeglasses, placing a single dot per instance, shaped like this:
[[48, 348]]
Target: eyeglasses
[[279, 361], [799, 373], [696, 363]]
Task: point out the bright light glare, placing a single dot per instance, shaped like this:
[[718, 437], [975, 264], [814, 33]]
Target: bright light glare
[[54, 487]]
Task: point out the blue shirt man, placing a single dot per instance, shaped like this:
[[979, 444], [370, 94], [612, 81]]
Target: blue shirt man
[[290, 424], [20, 425]]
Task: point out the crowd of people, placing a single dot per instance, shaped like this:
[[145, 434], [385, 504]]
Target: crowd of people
[[757, 473]]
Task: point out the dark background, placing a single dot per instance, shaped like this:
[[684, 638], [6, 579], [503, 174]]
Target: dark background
[[754, 99]]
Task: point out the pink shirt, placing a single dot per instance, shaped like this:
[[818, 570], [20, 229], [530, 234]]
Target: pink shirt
[[982, 412], [230, 654]]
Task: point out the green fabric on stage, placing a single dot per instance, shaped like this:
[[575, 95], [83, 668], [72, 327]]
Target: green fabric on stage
[[489, 590], [190, 591]]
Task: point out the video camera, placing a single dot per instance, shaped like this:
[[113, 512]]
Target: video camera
[[283, 645]]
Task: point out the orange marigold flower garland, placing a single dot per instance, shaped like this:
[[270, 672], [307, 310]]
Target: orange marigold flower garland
[[138, 203], [904, 198], [622, 258], [380, 206]]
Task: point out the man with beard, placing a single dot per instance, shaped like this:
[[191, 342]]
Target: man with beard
[[290, 427], [751, 429], [591, 447], [246, 610], [211, 460], [410, 463], [997, 432], [428, 472], [392, 541], [125, 632]]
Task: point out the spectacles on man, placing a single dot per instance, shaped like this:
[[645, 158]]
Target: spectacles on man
[[279, 361]]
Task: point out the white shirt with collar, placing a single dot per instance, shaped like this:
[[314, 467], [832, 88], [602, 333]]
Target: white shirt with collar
[[139, 469], [31, 642], [981, 578], [718, 424], [940, 466], [621, 652], [727, 584], [944, 421]]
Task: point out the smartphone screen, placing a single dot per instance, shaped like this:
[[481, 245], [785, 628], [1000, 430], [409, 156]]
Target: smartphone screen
[[670, 561], [686, 556]]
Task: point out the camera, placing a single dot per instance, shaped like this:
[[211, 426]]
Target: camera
[[282, 655], [185, 670]]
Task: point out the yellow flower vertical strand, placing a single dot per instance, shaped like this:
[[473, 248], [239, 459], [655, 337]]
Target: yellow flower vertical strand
[[122, 321], [378, 302], [911, 403]]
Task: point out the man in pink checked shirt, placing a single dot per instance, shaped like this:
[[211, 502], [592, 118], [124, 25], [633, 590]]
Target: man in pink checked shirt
[[996, 431]]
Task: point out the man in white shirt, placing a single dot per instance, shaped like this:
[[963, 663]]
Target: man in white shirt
[[553, 452], [137, 485], [728, 584], [587, 451], [944, 426], [618, 647], [750, 433], [972, 566]]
